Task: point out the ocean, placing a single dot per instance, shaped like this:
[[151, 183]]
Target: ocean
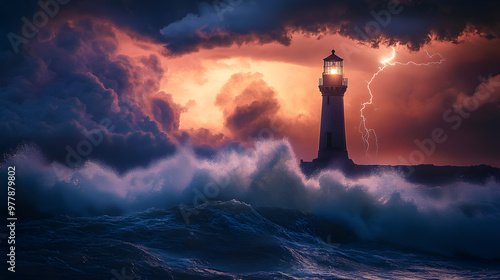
[[246, 214]]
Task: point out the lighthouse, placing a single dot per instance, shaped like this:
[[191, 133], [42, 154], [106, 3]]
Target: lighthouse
[[332, 85], [332, 145]]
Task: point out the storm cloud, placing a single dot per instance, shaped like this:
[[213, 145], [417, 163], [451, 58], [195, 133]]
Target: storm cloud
[[249, 105], [186, 26], [411, 23], [77, 98]]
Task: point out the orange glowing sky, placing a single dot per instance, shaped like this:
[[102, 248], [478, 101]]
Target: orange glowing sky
[[408, 100]]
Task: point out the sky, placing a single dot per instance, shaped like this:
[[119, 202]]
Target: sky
[[129, 82]]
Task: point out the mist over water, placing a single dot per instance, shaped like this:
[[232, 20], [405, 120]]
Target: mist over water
[[452, 219]]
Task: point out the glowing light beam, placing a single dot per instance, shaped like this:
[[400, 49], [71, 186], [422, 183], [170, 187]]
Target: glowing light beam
[[363, 129]]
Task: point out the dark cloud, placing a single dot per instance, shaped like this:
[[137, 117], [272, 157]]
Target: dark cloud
[[77, 98], [166, 112], [185, 26], [144, 17], [252, 116], [249, 105], [203, 137], [411, 23]]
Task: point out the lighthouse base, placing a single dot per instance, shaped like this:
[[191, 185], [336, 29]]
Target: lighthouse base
[[329, 158]]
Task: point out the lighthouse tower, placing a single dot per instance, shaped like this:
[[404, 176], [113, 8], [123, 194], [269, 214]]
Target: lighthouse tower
[[332, 144]]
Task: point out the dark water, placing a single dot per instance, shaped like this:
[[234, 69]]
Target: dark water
[[226, 240], [246, 215]]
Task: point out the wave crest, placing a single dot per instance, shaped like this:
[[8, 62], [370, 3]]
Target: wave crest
[[457, 218]]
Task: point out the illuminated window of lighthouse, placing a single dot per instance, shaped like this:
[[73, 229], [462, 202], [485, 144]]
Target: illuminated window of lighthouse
[[333, 67]]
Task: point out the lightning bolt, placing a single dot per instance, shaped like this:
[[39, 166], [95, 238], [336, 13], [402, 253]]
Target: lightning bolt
[[366, 132], [468, 39]]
